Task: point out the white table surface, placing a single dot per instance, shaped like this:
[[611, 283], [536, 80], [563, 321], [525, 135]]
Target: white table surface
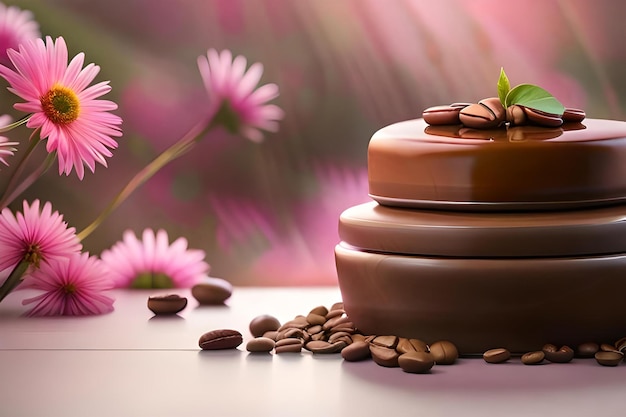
[[130, 363]]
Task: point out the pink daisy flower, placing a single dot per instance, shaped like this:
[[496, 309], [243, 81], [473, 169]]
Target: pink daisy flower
[[7, 148], [235, 101], [71, 286], [16, 27], [78, 126], [153, 262], [35, 236]]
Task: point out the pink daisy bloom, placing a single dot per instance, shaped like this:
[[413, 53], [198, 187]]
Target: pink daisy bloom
[[153, 262], [7, 148], [16, 27], [235, 101], [35, 236], [77, 125], [71, 286]]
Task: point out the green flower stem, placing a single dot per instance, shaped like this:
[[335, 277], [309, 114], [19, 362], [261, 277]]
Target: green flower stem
[[176, 150], [14, 279], [13, 125], [13, 181], [34, 176]]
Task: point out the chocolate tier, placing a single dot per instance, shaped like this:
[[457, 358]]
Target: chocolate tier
[[412, 164]]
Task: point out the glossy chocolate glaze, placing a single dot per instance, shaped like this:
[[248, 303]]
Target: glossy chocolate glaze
[[413, 164]]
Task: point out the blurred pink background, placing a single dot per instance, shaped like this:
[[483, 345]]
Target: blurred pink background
[[266, 214]]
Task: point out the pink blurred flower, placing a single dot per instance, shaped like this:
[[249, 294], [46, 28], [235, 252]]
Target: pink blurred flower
[[153, 262], [234, 99], [16, 27], [7, 148], [78, 126], [71, 286], [35, 236]]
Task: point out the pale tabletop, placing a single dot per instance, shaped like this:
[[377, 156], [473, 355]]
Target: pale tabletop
[[130, 363]]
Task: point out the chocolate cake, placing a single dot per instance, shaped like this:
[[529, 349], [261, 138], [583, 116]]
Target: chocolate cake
[[511, 236]]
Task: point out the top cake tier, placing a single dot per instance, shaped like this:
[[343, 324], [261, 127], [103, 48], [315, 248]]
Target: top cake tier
[[412, 164]]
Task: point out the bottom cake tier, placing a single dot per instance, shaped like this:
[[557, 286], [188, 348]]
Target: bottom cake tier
[[481, 303]]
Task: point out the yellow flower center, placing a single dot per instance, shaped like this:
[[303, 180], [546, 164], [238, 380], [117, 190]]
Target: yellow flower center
[[33, 255], [60, 105]]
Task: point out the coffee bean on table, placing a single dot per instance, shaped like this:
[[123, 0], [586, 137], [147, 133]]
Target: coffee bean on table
[[387, 341], [220, 339], [262, 324], [444, 352], [288, 345], [212, 291], [357, 351], [411, 345], [571, 115], [587, 349], [543, 118], [167, 304], [384, 356], [486, 114], [260, 345], [416, 362], [561, 355], [609, 358], [497, 355], [533, 358], [607, 347], [621, 344]]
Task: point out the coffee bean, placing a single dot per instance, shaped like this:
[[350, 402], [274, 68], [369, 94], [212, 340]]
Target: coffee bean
[[497, 355], [562, 355], [486, 114], [260, 344], [298, 322], [384, 356], [609, 358], [416, 362], [336, 321], [167, 304], [262, 324], [621, 344], [212, 291], [444, 352], [442, 115], [313, 318], [542, 118], [220, 339], [411, 345], [321, 346], [319, 310], [571, 115], [338, 312], [271, 334], [386, 341], [607, 347], [337, 306], [516, 115], [288, 346], [533, 358], [587, 350], [357, 351]]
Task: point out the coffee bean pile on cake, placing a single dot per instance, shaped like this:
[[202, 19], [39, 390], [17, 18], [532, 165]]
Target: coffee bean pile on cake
[[330, 331]]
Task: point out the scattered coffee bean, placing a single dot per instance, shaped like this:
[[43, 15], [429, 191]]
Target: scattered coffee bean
[[220, 339], [262, 324], [260, 345], [609, 358], [357, 351], [416, 362], [314, 319], [497, 355], [444, 352], [320, 311], [607, 347], [386, 341], [167, 304], [533, 358], [411, 345], [587, 350], [212, 291], [562, 355], [621, 344], [384, 356], [288, 346]]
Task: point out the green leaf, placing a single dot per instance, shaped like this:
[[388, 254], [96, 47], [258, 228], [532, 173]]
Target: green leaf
[[503, 87], [534, 97]]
